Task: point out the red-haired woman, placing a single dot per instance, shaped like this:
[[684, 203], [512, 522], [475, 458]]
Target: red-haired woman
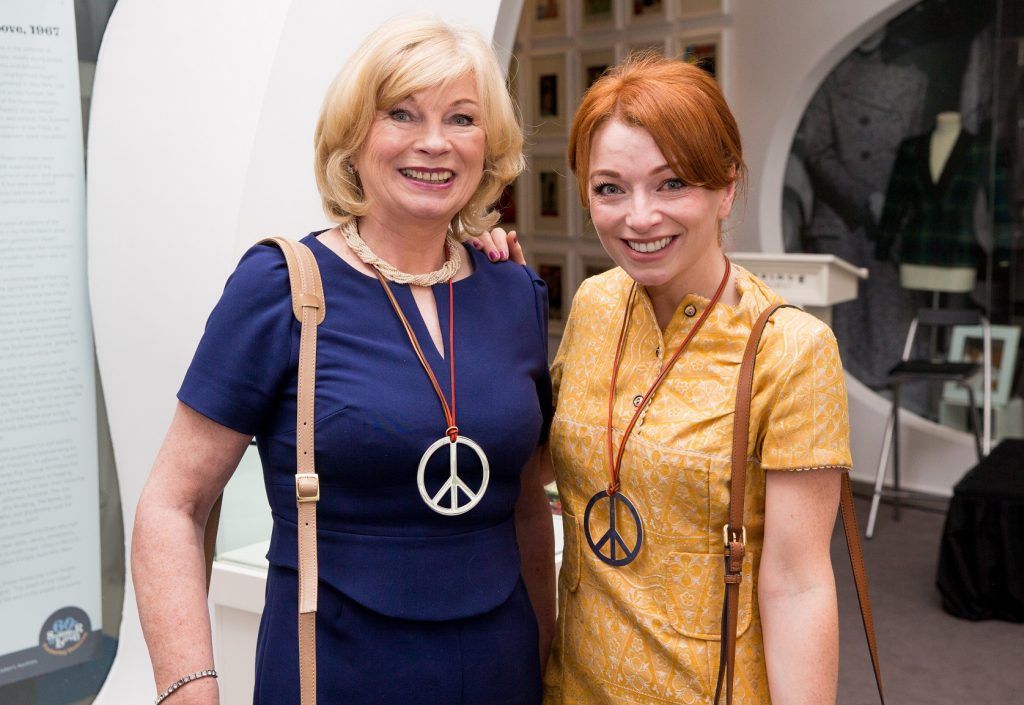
[[656, 152]]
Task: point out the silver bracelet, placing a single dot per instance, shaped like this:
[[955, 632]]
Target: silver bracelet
[[208, 673]]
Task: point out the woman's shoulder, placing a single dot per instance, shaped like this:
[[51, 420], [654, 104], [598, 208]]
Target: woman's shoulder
[[511, 279], [259, 280], [600, 293], [260, 261], [798, 331]]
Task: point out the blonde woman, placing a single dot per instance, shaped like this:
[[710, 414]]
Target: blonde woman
[[417, 603]]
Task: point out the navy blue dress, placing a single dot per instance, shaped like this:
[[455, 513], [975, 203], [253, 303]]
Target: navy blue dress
[[414, 607]]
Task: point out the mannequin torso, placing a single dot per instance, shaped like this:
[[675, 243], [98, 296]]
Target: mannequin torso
[[948, 126]]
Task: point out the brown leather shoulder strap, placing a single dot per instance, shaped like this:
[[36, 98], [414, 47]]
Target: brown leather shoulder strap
[[734, 533], [860, 577], [309, 307]]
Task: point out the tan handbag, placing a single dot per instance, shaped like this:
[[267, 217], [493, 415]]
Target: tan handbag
[[734, 534], [309, 308]]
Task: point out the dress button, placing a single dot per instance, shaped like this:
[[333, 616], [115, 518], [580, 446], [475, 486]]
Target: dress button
[[690, 310], [637, 399]]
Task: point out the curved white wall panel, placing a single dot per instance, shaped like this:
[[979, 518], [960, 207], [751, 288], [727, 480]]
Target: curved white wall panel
[[200, 144], [781, 52]]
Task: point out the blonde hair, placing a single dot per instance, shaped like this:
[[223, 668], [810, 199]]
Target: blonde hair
[[402, 57]]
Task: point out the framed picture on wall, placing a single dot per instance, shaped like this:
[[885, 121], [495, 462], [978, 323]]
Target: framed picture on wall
[[696, 8], [546, 16], [968, 345], [703, 51], [597, 14], [553, 268], [592, 64], [550, 205], [645, 10], [549, 100]]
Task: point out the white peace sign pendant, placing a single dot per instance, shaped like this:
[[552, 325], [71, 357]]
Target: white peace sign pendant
[[454, 484]]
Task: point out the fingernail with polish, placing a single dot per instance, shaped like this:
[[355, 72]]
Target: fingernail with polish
[[493, 256]]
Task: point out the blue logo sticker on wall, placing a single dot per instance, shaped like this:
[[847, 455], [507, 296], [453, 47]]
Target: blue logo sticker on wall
[[65, 631]]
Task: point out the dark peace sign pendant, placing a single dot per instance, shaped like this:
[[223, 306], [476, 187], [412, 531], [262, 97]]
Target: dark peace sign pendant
[[611, 548]]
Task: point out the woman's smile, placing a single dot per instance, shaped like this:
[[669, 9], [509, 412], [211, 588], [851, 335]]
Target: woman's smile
[[433, 177], [650, 247]]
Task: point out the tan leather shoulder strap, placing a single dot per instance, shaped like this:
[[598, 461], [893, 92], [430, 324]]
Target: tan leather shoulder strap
[[309, 307], [303, 275], [734, 533]]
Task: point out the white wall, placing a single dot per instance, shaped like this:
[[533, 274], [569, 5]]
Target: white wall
[[781, 52], [200, 144]]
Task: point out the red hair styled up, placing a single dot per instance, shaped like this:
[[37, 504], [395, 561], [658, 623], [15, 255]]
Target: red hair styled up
[[681, 106]]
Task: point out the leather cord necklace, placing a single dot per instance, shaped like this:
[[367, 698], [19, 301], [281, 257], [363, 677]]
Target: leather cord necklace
[[454, 484], [613, 496]]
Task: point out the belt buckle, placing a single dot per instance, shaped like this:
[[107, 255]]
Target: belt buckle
[[727, 539], [305, 493]]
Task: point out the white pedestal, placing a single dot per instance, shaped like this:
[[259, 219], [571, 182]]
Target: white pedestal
[[814, 282], [236, 597]]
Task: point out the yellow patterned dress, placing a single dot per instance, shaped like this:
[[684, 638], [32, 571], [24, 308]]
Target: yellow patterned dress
[[648, 632]]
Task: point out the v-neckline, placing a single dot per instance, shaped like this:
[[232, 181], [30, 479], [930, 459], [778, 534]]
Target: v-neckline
[[420, 328], [437, 359], [946, 174]]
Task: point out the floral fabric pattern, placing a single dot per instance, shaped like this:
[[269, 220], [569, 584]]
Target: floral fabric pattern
[[649, 632]]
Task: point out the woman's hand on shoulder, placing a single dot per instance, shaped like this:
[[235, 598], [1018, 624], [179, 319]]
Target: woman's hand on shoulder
[[499, 245]]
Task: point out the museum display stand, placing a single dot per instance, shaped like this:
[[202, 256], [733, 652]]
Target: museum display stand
[[816, 283]]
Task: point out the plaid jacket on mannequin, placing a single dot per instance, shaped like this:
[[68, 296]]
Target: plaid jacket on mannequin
[[945, 223]]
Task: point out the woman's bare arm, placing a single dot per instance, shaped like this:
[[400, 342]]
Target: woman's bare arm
[[796, 588], [535, 533], [168, 567]]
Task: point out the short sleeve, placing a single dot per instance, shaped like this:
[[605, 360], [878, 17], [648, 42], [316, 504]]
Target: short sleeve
[[808, 422], [246, 352], [544, 393]]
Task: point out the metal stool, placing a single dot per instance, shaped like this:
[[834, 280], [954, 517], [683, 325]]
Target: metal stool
[[922, 370]]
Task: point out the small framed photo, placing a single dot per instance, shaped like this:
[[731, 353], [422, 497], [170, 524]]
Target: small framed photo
[[546, 16], [592, 64], [553, 268], [550, 202], [597, 14], [645, 10], [968, 345], [698, 8], [549, 99], [702, 51]]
